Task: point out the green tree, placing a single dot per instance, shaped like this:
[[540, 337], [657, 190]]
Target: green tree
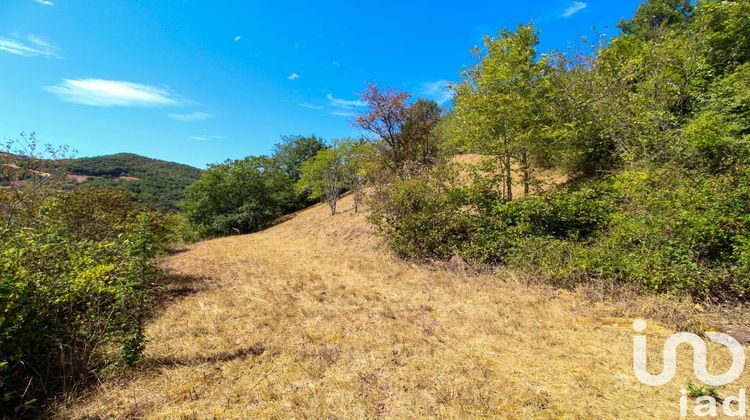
[[239, 196], [326, 175], [723, 26], [497, 102], [293, 151], [653, 16]]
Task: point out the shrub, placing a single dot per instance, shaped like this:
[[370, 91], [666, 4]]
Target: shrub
[[422, 216], [73, 296], [665, 233]]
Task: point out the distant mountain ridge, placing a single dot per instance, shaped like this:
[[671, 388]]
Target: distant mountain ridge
[[154, 182]]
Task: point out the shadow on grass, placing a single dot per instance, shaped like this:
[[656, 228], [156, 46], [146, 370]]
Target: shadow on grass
[[170, 287], [225, 356]]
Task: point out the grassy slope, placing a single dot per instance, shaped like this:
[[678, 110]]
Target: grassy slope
[[314, 318]]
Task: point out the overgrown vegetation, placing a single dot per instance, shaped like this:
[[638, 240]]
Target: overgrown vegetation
[[74, 270], [652, 127]]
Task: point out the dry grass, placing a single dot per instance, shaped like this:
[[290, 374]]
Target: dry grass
[[314, 318], [544, 179]]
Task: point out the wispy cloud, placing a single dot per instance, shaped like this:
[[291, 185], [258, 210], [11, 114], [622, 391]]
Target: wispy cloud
[[310, 106], [237, 38], [45, 2], [98, 92], [30, 46], [207, 138], [574, 8], [192, 116], [343, 113], [439, 91], [345, 103], [293, 76], [344, 107], [336, 63]]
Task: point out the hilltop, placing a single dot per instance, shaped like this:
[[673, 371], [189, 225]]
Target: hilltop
[[158, 183]]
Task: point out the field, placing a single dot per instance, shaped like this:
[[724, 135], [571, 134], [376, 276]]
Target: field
[[314, 318]]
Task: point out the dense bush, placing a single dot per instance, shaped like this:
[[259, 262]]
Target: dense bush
[[238, 197], [647, 226], [666, 233], [73, 294]]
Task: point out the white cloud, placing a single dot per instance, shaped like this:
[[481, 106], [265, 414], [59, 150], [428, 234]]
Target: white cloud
[[31, 46], [336, 63], [439, 91], [98, 92], [45, 2], [207, 138], [310, 106], [237, 38], [344, 103], [343, 113], [293, 76], [574, 8], [190, 117]]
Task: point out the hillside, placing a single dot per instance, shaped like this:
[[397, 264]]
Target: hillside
[[315, 318], [155, 182]]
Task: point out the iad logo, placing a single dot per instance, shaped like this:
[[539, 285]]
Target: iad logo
[[699, 357], [707, 404]]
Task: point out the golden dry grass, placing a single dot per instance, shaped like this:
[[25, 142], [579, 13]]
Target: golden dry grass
[[314, 318], [544, 179]]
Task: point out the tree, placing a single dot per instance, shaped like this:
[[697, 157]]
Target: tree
[[497, 102], [239, 196], [420, 142], [358, 167], [389, 111], [324, 176], [293, 151], [655, 15], [343, 166], [404, 132], [724, 28]]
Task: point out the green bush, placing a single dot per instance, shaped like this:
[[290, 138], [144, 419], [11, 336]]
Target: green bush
[[422, 216], [73, 296], [666, 233], [429, 216], [649, 226]]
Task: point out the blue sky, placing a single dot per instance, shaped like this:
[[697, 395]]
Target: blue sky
[[202, 81]]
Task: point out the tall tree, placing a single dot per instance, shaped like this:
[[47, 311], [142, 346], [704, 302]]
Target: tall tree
[[388, 112], [655, 15], [238, 196], [292, 151], [497, 102], [420, 141], [324, 175]]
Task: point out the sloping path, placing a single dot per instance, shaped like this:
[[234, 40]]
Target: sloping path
[[314, 318]]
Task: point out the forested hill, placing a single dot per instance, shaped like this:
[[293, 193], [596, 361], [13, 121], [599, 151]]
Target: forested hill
[[155, 182]]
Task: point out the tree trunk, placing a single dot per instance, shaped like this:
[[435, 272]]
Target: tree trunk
[[357, 190], [526, 173], [508, 178]]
